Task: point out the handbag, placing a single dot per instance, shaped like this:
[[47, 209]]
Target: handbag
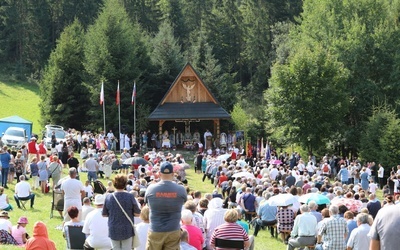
[[135, 240]]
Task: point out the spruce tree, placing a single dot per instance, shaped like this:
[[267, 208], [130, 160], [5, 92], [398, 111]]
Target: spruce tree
[[63, 94]]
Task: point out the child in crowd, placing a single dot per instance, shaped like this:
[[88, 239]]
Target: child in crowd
[[19, 231], [88, 189], [35, 173]]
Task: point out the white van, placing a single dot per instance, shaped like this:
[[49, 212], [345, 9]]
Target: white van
[[14, 136]]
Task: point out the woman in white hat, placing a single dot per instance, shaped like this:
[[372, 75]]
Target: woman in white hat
[[5, 223]]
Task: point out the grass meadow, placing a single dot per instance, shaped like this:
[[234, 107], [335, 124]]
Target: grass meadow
[[22, 99]]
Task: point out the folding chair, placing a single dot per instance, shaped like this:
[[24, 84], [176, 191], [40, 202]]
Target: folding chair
[[231, 244], [23, 201], [75, 237]]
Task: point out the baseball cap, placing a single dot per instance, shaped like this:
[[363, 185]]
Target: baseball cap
[[166, 168]]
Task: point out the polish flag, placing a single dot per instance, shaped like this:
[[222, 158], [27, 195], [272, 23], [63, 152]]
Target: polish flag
[[118, 97], [134, 93], [102, 94]]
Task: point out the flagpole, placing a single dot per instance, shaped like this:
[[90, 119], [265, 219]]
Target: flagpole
[[104, 107], [119, 111], [104, 117], [134, 110]]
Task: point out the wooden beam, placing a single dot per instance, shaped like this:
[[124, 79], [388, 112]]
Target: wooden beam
[[217, 131], [160, 123]]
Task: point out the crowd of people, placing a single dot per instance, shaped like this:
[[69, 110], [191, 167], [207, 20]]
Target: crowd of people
[[150, 205], [333, 206]]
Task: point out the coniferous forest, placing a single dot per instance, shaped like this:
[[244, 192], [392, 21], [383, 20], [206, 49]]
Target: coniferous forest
[[319, 74]]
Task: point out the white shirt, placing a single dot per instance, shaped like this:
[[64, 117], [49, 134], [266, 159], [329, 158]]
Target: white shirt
[[300, 167], [72, 193], [127, 141], [207, 133], [381, 172], [359, 239], [3, 201], [142, 230], [273, 174], [212, 219], [5, 225], [110, 135], [23, 189], [304, 225], [96, 228], [79, 138], [59, 147], [396, 184], [88, 190], [86, 210], [373, 187], [310, 168], [125, 156]]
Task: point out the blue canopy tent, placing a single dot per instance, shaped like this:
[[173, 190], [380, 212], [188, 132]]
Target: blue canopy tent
[[15, 121]]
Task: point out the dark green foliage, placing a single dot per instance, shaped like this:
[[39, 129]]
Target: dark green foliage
[[114, 51], [167, 58], [306, 97], [24, 35], [379, 142], [145, 12], [65, 99]]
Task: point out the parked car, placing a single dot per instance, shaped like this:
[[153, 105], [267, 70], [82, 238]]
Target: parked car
[[59, 133], [14, 136]]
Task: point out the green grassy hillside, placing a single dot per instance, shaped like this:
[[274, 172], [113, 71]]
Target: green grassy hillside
[[22, 99]]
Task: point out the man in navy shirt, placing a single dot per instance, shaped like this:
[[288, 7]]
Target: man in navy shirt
[[165, 200]]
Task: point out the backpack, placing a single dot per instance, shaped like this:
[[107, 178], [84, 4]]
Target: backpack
[[326, 168], [18, 166]]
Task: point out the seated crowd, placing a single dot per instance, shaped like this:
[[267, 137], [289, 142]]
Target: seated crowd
[[243, 196]]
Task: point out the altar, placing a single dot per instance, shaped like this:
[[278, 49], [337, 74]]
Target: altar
[[166, 142]]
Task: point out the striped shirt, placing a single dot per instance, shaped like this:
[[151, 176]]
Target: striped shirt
[[229, 231]]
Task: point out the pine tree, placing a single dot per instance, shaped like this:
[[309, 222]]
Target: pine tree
[[167, 58], [114, 51], [64, 96]]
